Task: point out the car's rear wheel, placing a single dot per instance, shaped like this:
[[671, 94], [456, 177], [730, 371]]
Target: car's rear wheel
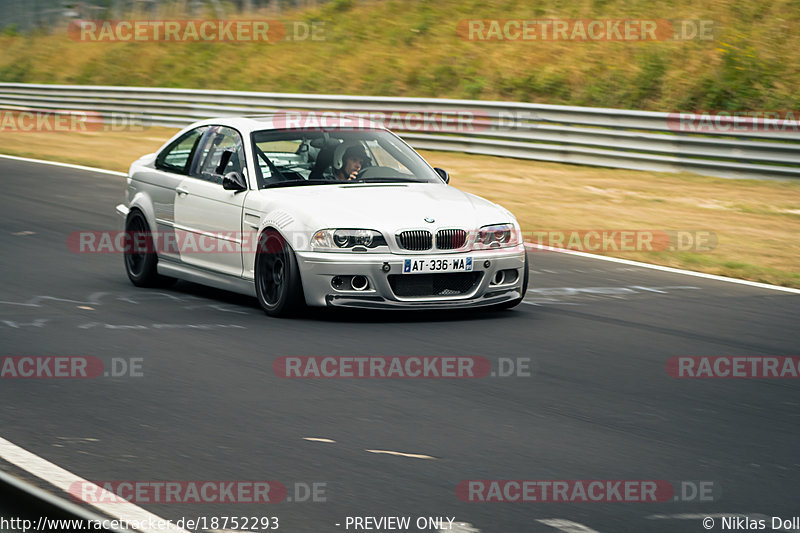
[[277, 277], [140, 254], [517, 301]]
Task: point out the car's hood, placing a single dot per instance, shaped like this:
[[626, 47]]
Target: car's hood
[[386, 207]]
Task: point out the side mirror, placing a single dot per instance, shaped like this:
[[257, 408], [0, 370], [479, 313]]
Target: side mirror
[[233, 181], [443, 174]]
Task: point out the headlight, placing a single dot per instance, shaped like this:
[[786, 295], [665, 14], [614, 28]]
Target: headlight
[[496, 236], [346, 239]]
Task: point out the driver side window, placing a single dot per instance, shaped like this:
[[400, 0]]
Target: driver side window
[[224, 139]]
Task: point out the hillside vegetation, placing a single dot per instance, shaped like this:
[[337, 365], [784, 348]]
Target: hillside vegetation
[[413, 48]]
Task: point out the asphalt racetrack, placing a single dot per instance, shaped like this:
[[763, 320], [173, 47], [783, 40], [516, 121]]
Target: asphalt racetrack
[[598, 403]]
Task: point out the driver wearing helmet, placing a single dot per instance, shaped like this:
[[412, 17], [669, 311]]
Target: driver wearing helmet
[[346, 166]]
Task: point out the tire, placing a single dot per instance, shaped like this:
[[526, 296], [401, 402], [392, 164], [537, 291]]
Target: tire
[[514, 303], [277, 277], [140, 255]]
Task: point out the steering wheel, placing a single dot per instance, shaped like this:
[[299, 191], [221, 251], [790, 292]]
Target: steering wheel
[[373, 172], [360, 174]]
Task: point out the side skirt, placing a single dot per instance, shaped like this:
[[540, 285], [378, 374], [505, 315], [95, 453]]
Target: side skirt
[[206, 277]]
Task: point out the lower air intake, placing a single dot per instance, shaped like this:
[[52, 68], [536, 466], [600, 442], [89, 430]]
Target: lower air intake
[[433, 284]]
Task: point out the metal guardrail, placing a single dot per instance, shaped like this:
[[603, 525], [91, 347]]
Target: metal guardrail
[[616, 138]]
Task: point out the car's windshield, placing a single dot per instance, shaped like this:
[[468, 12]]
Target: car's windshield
[[303, 157]]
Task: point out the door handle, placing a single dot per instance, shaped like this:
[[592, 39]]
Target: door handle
[[181, 190]]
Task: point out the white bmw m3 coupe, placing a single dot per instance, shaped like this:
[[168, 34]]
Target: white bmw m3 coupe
[[336, 215]]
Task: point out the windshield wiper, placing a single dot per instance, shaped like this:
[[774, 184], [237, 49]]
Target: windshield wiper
[[385, 180]]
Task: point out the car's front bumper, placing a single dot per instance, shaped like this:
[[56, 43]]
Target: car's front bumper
[[317, 270]]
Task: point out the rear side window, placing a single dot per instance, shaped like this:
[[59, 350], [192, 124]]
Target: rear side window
[[177, 156]]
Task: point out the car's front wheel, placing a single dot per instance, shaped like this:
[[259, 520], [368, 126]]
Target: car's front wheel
[[140, 254], [277, 277]]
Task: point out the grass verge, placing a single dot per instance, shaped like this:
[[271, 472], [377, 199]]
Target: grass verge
[[414, 48]]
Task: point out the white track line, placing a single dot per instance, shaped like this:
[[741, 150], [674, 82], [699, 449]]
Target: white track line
[[460, 527], [567, 526], [698, 516], [402, 454], [63, 479], [690, 516], [663, 268], [65, 165]]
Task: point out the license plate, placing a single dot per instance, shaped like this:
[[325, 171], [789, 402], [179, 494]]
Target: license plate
[[426, 265]]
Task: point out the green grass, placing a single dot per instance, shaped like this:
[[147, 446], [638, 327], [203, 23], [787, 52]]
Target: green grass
[[411, 48]]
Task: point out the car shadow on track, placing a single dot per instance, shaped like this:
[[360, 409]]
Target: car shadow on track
[[367, 316]]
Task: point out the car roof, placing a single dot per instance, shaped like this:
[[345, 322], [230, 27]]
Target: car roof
[[290, 119]]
